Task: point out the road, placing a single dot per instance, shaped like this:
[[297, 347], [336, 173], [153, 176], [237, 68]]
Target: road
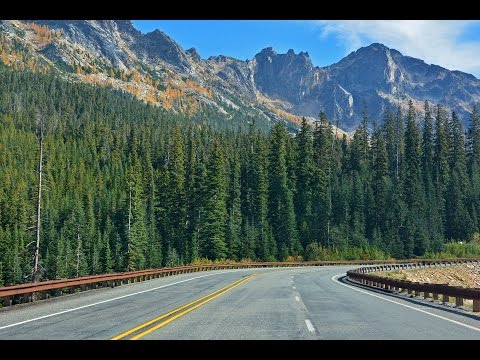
[[283, 303]]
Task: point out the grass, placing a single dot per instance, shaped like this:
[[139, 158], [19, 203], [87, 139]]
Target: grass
[[395, 274], [456, 250]]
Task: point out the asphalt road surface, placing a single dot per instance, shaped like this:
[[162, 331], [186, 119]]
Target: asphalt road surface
[[283, 303]]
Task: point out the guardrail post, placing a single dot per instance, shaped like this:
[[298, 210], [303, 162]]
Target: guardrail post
[[27, 297], [476, 305], [409, 291], [426, 295], [458, 301], [435, 296], [417, 293], [446, 299], [7, 301]]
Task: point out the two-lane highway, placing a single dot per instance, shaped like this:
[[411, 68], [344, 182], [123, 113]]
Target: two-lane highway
[[282, 303]]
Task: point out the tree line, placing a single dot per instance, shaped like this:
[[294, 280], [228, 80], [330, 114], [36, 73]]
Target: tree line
[[128, 186]]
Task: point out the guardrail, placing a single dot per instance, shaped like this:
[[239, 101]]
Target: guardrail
[[28, 292], [429, 290]]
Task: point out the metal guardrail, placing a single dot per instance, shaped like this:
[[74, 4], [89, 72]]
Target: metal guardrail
[[28, 292], [429, 290]]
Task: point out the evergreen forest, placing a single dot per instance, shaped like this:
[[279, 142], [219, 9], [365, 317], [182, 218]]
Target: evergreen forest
[[128, 186]]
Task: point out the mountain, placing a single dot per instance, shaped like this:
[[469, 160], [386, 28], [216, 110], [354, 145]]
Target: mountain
[[375, 74], [271, 86]]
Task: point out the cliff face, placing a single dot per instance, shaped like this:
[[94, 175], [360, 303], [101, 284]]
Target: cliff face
[[278, 87], [374, 74]]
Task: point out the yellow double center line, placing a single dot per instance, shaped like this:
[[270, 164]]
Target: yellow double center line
[[155, 324]]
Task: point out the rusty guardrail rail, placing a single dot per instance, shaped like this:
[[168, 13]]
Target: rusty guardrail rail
[[429, 290], [28, 292], [23, 293]]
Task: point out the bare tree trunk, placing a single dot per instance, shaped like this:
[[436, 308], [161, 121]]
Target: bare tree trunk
[[39, 201], [78, 250], [129, 212], [129, 225]]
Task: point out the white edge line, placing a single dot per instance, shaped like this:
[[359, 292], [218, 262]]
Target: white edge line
[[335, 279], [106, 301], [309, 325], [297, 298], [294, 288]]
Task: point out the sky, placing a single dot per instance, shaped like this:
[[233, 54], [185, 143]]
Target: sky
[[453, 44]]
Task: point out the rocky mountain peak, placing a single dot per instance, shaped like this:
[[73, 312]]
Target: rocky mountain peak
[[157, 45], [194, 54], [284, 76], [155, 68], [268, 51]]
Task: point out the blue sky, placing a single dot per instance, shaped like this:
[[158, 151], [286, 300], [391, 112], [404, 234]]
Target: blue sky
[[454, 44]]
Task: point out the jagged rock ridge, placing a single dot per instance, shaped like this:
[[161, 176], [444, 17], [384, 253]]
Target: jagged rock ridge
[[278, 87]]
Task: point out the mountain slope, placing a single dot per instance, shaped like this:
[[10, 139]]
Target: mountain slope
[[271, 86], [375, 74]]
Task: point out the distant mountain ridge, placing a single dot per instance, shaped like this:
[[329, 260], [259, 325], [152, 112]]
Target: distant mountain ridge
[[277, 87]]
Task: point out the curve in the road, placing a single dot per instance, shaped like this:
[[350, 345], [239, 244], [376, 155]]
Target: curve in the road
[[286, 303]]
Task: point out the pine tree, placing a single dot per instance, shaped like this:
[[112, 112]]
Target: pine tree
[[322, 140], [473, 141], [198, 208], [427, 150], [176, 192], [153, 248], [399, 143], [2, 252], [234, 220], [390, 139], [281, 210], [212, 228], [265, 247], [458, 222], [380, 180], [136, 210], [441, 164], [433, 219], [415, 230], [305, 171], [473, 160]]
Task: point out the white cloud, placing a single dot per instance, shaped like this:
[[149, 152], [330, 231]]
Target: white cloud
[[435, 41]]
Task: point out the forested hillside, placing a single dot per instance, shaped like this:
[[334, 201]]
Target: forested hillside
[[129, 186]]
